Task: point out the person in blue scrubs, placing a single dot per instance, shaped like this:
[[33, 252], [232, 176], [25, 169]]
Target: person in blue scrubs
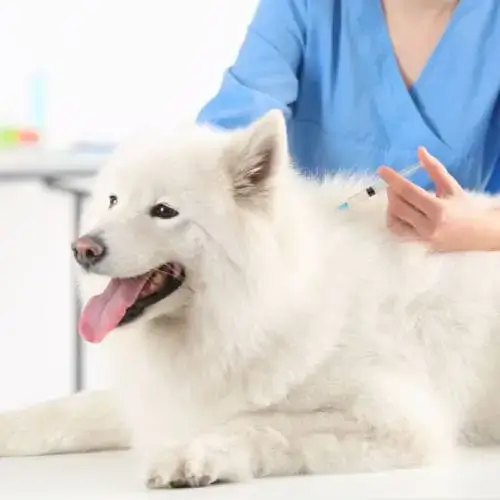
[[365, 83]]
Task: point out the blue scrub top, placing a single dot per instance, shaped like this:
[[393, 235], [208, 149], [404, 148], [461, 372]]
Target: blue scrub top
[[330, 66]]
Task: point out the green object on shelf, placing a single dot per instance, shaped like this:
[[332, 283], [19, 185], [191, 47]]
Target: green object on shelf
[[16, 137], [8, 137]]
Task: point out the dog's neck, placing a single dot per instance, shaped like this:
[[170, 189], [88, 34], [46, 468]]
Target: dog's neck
[[248, 284]]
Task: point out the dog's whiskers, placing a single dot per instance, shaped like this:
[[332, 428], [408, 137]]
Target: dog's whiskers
[[165, 272], [238, 268]]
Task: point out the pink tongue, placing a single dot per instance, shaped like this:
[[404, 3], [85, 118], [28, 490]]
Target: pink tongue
[[103, 312]]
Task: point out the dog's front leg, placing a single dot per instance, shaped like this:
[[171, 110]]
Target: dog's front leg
[[278, 444], [382, 430], [87, 421]]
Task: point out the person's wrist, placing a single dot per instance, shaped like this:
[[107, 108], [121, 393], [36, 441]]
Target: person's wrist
[[488, 231]]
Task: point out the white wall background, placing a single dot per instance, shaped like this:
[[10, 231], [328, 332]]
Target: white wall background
[[112, 67]]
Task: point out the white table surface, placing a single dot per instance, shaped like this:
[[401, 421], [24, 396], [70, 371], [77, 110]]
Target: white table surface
[[114, 476]]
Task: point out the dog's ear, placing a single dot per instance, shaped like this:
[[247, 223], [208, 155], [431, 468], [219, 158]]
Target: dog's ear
[[257, 153]]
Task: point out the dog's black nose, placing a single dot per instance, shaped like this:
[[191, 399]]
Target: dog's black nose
[[88, 250]]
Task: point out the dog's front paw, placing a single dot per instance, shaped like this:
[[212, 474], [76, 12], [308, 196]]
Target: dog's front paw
[[183, 468], [197, 465]]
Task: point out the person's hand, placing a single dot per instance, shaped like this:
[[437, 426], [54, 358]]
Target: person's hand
[[448, 220]]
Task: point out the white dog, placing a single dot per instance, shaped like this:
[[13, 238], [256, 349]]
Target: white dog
[[256, 330]]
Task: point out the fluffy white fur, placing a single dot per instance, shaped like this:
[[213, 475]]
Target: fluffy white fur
[[305, 339]]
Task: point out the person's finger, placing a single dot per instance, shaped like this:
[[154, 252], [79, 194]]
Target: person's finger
[[401, 228], [446, 184], [399, 209], [410, 192]]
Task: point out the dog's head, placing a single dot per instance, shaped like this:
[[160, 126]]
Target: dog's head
[[161, 206]]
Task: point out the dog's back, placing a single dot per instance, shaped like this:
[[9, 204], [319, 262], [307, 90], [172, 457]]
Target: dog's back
[[429, 322]]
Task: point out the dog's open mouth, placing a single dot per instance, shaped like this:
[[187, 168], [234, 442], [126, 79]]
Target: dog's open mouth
[[125, 299]]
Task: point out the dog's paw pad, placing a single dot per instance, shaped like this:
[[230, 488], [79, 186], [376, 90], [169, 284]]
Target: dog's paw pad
[[206, 480], [182, 471], [157, 481], [199, 474], [164, 471], [154, 482]]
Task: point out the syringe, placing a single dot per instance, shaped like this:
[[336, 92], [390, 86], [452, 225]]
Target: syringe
[[376, 187]]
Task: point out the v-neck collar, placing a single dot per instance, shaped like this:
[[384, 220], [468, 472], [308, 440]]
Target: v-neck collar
[[402, 109], [434, 56]]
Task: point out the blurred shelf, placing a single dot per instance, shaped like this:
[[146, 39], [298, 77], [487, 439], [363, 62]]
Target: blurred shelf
[[68, 170], [71, 172]]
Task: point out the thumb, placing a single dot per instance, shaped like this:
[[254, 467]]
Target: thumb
[[445, 183]]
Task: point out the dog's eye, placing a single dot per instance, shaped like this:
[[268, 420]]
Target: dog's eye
[[113, 200], [162, 211]]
